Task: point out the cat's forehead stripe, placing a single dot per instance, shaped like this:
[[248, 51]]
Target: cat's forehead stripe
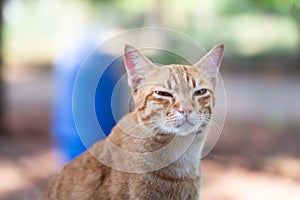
[[187, 74], [179, 73], [173, 79], [194, 82], [188, 77], [169, 84]]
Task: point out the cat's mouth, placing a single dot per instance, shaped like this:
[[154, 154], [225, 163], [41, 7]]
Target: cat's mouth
[[185, 122]]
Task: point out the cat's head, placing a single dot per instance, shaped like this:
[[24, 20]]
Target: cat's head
[[173, 99]]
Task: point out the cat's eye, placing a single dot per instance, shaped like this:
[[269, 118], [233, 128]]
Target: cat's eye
[[200, 92], [163, 93]]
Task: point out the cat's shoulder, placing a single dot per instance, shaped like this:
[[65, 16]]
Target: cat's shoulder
[[84, 173]]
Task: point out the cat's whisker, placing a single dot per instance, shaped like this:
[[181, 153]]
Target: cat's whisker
[[223, 127], [218, 118], [225, 132], [131, 127], [217, 121], [143, 123], [164, 125], [149, 131], [171, 118], [150, 124], [219, 124]]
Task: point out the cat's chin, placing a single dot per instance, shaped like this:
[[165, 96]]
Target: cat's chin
[[183, 129]]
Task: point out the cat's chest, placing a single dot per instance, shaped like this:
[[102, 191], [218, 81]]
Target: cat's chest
[[187, 165], [180, 180], [157, 186], [185, 170]]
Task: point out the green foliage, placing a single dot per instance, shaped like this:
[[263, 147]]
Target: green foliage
[[167, 58], [296, 12], [258, 6]]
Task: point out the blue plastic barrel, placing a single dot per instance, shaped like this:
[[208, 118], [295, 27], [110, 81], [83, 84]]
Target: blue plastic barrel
[[65, 137]]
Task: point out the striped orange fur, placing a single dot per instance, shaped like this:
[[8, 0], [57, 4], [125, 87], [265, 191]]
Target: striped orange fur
[[174, 104]]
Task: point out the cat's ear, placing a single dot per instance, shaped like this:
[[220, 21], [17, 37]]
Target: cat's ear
[[137, 66], [209, 65]]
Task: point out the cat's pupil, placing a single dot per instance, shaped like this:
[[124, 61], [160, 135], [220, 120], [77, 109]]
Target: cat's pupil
[[162, 93], [200, 92]]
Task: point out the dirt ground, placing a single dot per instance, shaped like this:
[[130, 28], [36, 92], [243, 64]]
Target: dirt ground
[[262, 163]]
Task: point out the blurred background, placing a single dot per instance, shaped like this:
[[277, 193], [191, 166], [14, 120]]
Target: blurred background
[[258, 154]]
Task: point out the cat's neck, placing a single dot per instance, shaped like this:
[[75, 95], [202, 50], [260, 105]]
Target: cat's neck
[[178, 155]]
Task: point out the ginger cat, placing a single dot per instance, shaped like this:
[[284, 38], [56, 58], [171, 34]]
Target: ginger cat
[[154, 152]]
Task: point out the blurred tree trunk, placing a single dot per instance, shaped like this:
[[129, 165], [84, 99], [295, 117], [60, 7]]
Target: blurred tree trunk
[[296, 15], [154, 17], [2, 88]]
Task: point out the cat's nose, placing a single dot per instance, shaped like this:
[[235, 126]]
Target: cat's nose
[[185, 112]]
